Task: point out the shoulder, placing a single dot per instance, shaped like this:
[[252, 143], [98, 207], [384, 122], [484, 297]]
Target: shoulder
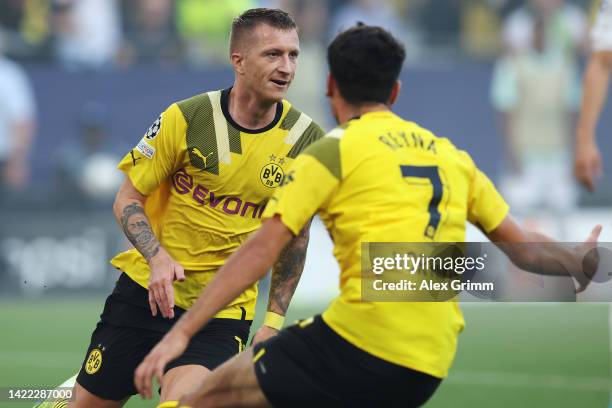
[[200, 104], [326, 150], [444, 146], [302, 131], [298, 121]]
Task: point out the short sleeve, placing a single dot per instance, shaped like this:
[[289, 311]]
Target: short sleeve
[[157, 154], [504, 86], [486, 207], [308, 185], [601, 34]]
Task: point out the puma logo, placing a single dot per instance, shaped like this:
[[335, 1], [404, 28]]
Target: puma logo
[[134, 158], [199, 154]]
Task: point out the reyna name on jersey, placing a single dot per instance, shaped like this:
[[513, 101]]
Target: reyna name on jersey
[[400, 139]]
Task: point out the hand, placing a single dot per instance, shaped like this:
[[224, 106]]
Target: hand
[[172, 345], [588, 259], [263, 334], [588, 167], [164, 270]]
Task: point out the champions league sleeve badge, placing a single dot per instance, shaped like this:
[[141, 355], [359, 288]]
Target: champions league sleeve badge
[[154, 129]]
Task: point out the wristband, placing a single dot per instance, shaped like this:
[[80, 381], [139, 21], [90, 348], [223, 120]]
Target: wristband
[[274, 320]]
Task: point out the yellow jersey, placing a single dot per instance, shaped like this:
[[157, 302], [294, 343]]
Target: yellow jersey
[[207, 180], [379, 178]]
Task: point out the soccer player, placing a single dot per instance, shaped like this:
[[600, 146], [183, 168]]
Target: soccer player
[[588, 165], [196, 188], [376, 178]]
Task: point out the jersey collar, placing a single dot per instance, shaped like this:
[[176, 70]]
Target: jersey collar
[[225, 108]]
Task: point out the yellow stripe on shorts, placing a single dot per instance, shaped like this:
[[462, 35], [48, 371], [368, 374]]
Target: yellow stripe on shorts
[[259, 354]]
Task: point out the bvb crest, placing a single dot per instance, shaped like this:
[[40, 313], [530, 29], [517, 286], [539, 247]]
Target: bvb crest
[[272, 174]]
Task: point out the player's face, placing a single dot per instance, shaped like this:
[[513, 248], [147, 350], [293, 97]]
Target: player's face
[[271, 61]]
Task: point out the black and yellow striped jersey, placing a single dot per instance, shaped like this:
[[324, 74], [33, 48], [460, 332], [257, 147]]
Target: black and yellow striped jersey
[[380, 178], [207, 180]]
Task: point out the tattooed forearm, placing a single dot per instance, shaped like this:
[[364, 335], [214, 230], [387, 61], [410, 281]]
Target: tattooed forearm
[[138, 231], [287, 272]]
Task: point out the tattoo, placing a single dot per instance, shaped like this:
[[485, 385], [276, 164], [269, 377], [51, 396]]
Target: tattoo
[[138, 230], [287, 271]]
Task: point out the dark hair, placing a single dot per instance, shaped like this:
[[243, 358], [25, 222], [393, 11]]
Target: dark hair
[[251, 18], [365, 61]]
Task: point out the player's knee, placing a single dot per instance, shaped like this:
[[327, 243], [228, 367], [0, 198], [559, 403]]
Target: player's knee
[[180, 380]]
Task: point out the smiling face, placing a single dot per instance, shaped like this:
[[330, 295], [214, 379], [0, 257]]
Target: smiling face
[[266, 61]]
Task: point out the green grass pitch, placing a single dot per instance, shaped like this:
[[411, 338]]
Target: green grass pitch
[[510, 355]]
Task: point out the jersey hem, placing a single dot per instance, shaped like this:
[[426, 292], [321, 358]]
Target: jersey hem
[[236, 312], [412, 364]]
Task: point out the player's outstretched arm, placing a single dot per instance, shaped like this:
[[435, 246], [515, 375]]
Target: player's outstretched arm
[[129, 212], [550, 257], [588, 166], [245, 267], [286, 275]]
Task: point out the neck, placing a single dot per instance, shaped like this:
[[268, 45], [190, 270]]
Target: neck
[[347, 111], [248, 110]]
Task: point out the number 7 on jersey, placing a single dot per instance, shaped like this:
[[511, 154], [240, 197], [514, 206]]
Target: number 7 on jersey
[[432, 173]]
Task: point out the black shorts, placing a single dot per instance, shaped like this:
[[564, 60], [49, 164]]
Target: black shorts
[[127, 332], [312, 366]]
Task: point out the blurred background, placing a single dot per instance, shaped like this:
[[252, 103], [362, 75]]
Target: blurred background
[[82, 80]]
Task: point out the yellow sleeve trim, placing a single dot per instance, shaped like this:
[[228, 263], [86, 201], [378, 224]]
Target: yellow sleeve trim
[[502, 216], [136, 183]]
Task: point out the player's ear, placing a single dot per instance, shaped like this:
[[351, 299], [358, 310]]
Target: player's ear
[[331, 86], [237, 60], [395, 92]]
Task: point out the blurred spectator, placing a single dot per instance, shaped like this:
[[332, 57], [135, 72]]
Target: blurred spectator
[[86, 166], [203, 24], [12, 14], [372, 12], [441, 20], [149, 32], [383, 13], [588, 166], [26, 28], [480, 28], [87, 32], [565, 26], [505, 7], [535, 90], [17, 123]]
